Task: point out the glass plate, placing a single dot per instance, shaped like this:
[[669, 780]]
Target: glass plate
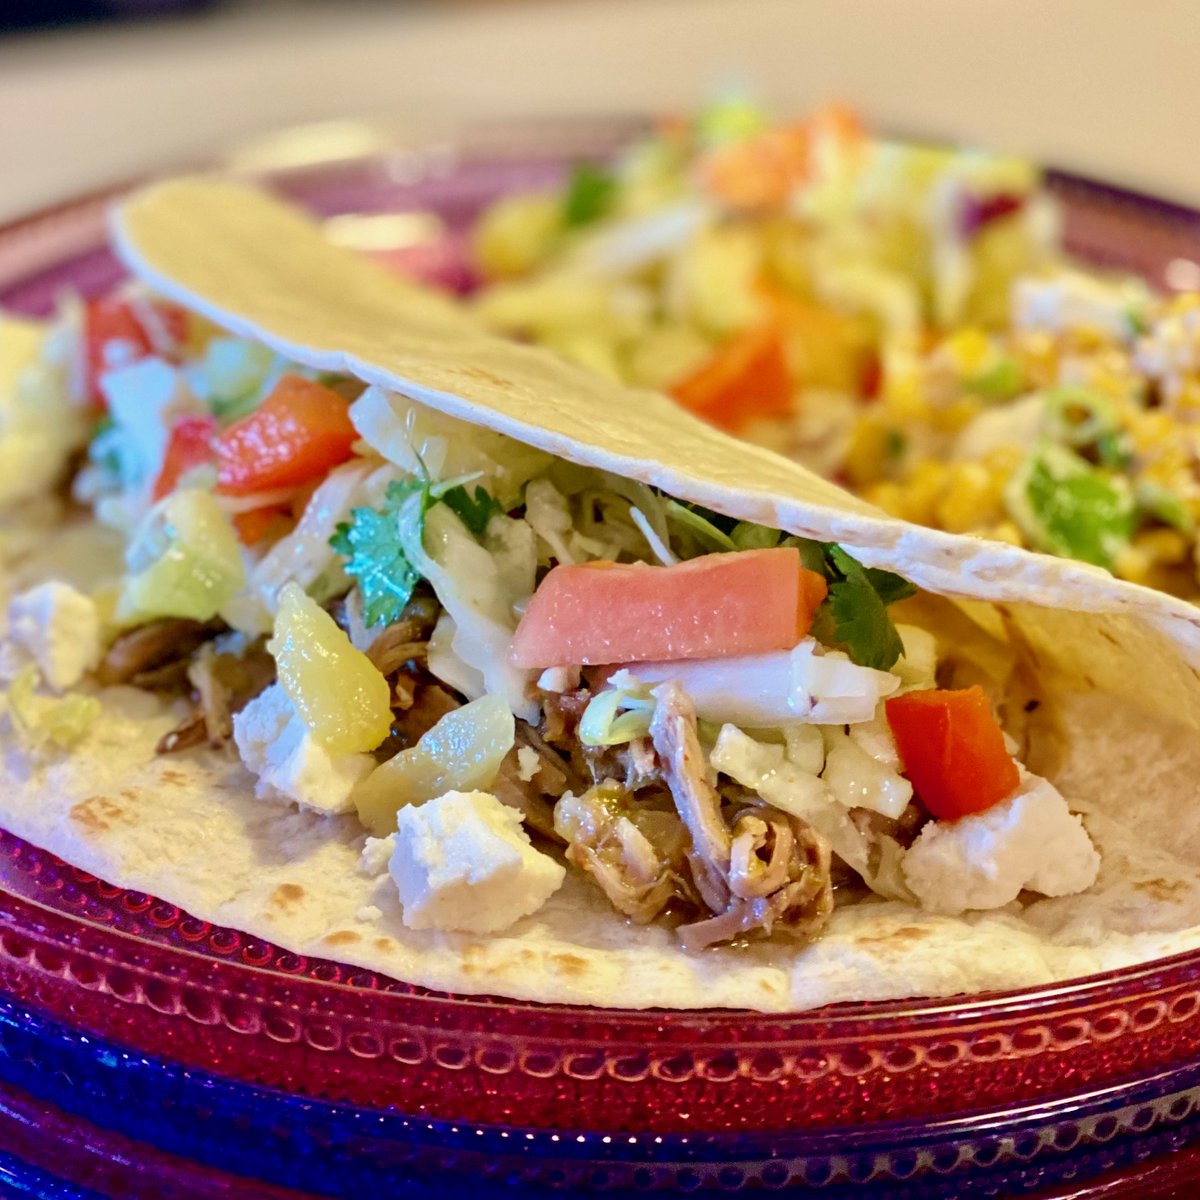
[[157, 984]]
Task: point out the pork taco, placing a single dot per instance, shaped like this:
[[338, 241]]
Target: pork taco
[[403, 645]]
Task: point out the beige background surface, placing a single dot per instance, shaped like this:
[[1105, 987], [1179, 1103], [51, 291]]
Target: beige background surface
[[1107, 86]]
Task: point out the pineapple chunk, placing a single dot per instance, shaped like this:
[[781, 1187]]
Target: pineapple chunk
[[336, 689]]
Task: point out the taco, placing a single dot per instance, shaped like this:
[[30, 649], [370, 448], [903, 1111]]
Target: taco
[[437, 655]]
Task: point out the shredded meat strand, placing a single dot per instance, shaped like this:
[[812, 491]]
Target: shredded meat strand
[[155, 654], [525, 796], [223, 684], [673, 733]]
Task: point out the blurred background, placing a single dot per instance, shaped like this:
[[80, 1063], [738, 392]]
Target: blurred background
[[93, 91]]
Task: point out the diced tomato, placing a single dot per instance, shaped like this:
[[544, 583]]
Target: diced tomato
[[763, 172], [716, 606], [189, 446], [824, 348], [747, 377], [299, 432], [261, 524], [953, 750], [760, 172], [115, 333]]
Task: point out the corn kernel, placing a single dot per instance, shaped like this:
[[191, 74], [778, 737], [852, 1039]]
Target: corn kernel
[[886, 495], [956, 415], [968, 350], [867, 456], [969, 501], [1007, 531], [1133, 564], [1162, 547], [923, 490]]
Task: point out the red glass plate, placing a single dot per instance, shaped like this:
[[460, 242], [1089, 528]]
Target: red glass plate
[[140, 972]]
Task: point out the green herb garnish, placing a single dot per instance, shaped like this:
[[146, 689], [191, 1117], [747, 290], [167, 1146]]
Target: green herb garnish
[[474, 511], [371, 544], [590, 193], [854, 616]]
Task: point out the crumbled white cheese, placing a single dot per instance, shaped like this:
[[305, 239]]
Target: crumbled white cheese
[[558, 679], [290, 763], [369, 913], [1170, 351], [1072, 300], [373, 860], [60, 628], [1029, 841], [464, 862], [529, 762], [144, 400], [1004, 426]]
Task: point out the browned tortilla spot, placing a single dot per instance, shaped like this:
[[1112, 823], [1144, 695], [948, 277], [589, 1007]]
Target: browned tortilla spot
[[384, 944], [287, 895], [905, 935], [98, 813], [571, 964], [1161, 889], [343, 937], [170, 775], [487, 376]]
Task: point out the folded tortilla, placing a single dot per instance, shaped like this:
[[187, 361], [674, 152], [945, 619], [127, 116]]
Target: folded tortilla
[[1117, 671]]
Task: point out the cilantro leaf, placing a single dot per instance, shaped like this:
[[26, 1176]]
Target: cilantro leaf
[[371, 544], [890, 588], [854, 616], [589, 196], [475, 511]]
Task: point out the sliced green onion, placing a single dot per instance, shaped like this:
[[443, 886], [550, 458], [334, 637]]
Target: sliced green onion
[[1065, 506], [1001, 381], [700, 526], [616, 715], [1163, 505], [748, 536], [1078, 417]]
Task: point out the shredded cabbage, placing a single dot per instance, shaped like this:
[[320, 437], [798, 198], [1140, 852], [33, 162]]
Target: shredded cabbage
[[42, 722], [805, 685], [235, 374], [858, 779], [424, 442], [472, 589], [699, 526], [305, 556], [784, 776]]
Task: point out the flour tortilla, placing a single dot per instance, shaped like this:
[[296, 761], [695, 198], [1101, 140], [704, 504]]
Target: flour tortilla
[[1117, 670]]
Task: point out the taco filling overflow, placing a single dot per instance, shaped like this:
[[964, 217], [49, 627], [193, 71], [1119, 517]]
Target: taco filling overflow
[[490, 669]]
